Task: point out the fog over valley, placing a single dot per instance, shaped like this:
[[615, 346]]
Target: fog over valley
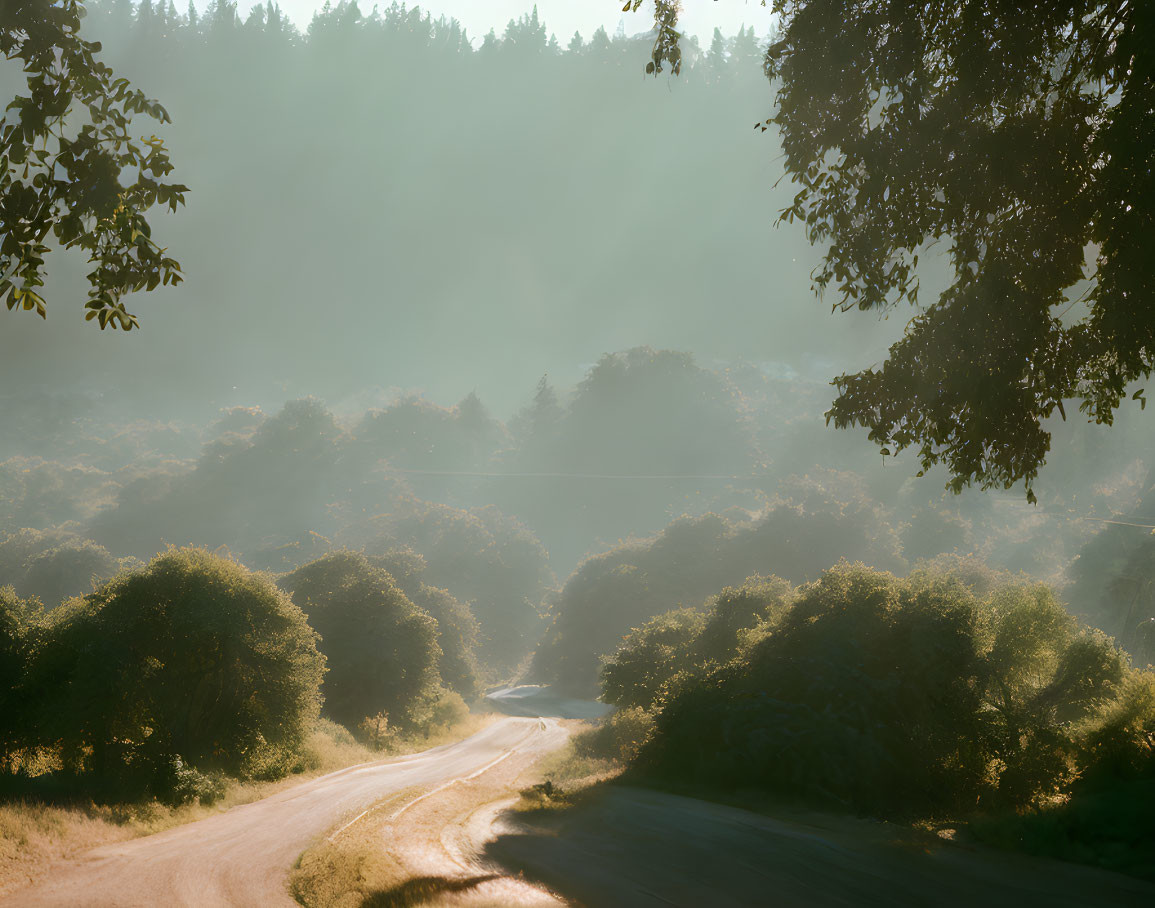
[[528, 466]]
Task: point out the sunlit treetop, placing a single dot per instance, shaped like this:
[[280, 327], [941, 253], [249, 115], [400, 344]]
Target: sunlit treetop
[[1019, 138], [70, 169]]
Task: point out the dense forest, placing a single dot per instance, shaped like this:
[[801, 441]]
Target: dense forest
[[462, 199]]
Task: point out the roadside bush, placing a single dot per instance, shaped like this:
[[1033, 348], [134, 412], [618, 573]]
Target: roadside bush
[[16, 620], [438, 713], [1119, 744], [1107, 819], [376, 732], [898, 698], [679, 647], [434, 715], [192, 662], [619, 737], [330, 746], [737, 612], [381, 649], [176, 783], [639, 673]]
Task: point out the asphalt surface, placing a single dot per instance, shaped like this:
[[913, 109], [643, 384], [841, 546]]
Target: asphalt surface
[[632, 848]]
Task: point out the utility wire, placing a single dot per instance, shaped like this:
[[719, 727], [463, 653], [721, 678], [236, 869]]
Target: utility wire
[[615, 476], [686, 477]]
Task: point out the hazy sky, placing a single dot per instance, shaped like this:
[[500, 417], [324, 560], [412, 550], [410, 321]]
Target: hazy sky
[[563, 17]]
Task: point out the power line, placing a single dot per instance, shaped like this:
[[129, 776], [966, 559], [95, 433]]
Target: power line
[[609, 476], [694, 477], [1120, 523]]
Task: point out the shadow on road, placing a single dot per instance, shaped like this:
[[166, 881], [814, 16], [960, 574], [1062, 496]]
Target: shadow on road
[[419, 890], [624, 847]]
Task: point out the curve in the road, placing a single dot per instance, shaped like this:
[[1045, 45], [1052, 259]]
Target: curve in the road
[[243, 856]]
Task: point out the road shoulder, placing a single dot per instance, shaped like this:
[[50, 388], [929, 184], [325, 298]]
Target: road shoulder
[[423, 846]]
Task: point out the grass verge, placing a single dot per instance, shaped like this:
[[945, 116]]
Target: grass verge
[[1110, 829], [566, 774], [390, 857]]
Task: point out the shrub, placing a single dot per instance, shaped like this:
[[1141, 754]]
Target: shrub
[[638, 674], [376, 731], [381, 649], [330, 746], [435, 714], [16, 620], [679, 647], [618, 737], [193, 658], [177, 783], [758, 604], [1107, 819], [439, 713], [1119, 743], [898, 697]]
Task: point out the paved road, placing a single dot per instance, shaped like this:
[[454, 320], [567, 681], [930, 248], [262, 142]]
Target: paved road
[[634, 848], [242, 857], [535, 700]]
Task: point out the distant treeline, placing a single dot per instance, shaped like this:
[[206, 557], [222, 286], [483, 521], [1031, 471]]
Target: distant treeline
[[648, 443], [399, 28], [379, 203]]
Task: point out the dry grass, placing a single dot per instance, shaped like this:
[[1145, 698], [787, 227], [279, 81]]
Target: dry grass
[[384, 859], [441, 735], [339, 873], [35, 835], [423, 890], [566, 775]]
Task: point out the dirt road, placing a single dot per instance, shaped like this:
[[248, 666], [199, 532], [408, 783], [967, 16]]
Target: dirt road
[[243, 856]]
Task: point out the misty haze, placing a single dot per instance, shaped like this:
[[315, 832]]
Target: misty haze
[[650, 465]]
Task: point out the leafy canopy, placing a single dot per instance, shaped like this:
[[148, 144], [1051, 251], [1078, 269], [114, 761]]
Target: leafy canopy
[[193, 657], [70, 168], [947, 699], [382, 650], [1022, 138]]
